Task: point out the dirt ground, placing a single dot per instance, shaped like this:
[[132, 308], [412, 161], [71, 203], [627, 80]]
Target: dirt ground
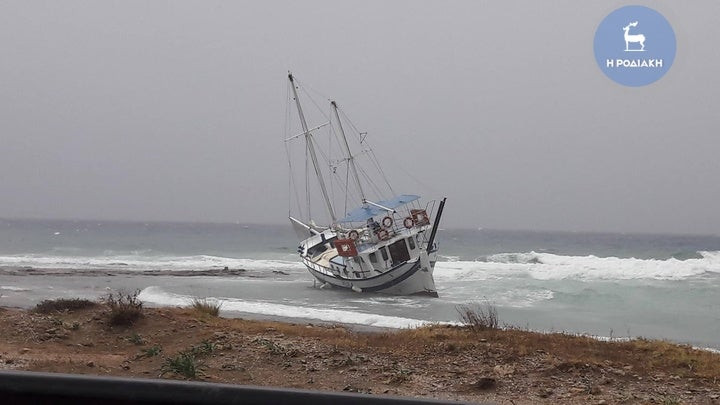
[[509, 366]]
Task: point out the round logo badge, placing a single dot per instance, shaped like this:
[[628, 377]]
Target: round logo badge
[[634, 46]]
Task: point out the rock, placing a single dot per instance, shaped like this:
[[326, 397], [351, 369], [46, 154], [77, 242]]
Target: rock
[[544, 393], [595, 390], [714, 396], [601, 402], [24, 350], [504, 370], [485, 383], [90, 364]]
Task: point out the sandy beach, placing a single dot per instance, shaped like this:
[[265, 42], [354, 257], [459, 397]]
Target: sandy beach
[[445, 362]]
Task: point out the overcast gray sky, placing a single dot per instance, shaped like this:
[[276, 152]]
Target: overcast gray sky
[[174, 110]]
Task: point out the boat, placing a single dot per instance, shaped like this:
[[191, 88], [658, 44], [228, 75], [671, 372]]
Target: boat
[[386, 243]]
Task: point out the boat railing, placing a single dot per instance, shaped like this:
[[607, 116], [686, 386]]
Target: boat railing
[[368, 235]]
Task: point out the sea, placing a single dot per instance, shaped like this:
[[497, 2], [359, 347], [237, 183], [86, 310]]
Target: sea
[[606, 285]]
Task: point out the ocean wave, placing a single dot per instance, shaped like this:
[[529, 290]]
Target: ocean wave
[[549, 266], [13, 288], [134, 262], [158, 296]]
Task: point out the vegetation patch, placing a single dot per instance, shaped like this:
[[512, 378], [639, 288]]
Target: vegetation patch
[[136, 339], [478, 316], [125, 308], [276, 348], [63, 305], [150, 351], [204, 348], [184, 364], [204, 306]]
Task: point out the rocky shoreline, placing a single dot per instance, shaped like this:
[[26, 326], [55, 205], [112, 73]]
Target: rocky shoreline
[[444, 362]]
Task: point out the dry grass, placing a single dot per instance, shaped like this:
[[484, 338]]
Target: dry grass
[[642, 355], [478, 316], [125, 308], [63, 304], [203, 306], [182, 343]]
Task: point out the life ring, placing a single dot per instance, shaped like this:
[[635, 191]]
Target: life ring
[[408, 222], [354, 235], [383, 234], [387, 222]]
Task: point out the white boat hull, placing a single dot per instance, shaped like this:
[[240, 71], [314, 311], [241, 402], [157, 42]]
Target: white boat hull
[[410, 278]]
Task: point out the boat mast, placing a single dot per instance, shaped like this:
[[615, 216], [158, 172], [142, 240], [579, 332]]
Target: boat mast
[[311, 150], [351, 162]]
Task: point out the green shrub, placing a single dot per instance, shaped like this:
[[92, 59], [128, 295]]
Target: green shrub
[[151, 351], [135, 338], [184, 364], [63, 304]]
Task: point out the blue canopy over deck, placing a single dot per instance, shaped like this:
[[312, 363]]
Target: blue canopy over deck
[[368, 211]]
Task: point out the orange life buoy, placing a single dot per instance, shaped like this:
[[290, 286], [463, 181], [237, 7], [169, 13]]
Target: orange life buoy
[[383, 234], [408, 222], [387, 222], [354, 235]]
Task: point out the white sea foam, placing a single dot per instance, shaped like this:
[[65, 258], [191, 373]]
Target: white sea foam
[[136, 262], [541, 266], [156, 295], [548, 266], [12, 288], [521, 297]]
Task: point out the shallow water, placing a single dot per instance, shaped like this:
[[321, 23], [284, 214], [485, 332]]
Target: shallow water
[[658, 286]]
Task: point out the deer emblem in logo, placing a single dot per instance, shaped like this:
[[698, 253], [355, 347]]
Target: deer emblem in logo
[[635, 38]]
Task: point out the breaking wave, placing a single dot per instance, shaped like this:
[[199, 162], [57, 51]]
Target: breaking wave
[[537, 265], [157, 296], [548, 266], [135, 262]]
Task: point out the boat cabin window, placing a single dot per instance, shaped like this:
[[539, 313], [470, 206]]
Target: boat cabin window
[[399, 252], [411, 243], [316, 250], [373, 257], [384, 253]]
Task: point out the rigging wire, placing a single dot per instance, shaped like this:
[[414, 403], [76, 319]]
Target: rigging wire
[[292, 185], [373, 158], [365, 151], [347, 177]]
